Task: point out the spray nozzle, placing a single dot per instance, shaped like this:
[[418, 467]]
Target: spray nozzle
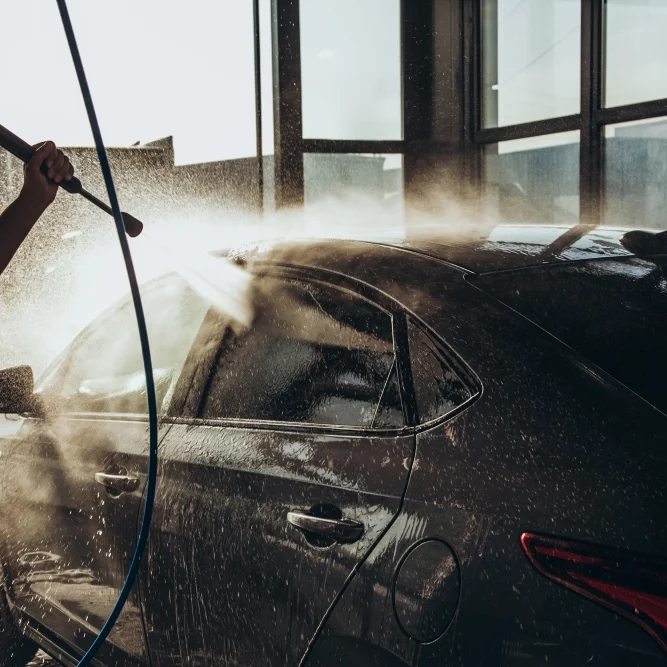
[[24, 152]]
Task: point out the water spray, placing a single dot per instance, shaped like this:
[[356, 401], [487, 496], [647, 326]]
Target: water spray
[[123, 221], [24, 152]]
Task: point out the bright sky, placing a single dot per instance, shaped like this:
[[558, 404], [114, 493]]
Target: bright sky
[[351, 69], [170, 67], [155, 68]]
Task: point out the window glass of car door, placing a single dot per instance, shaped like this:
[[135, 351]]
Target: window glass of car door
[[104, 372], [438, 388], [390, 410], [314, 354]]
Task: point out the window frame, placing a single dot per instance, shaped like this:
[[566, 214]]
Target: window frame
[[591, 120], [459, 23], [290, 144]]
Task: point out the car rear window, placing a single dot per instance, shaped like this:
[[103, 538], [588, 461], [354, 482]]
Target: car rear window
[[614, 312]]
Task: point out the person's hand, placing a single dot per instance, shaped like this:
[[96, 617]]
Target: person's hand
[[40, 188]]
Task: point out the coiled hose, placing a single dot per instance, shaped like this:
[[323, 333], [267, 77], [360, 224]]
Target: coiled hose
[[143, 336]]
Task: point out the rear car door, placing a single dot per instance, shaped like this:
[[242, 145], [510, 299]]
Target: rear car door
[[84, 470], [290, 467]]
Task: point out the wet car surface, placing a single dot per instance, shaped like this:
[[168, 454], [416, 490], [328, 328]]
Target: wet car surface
[[419, 453], [43, 660]]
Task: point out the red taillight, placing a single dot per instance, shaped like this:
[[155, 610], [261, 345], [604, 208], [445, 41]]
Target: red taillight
[[628, 583]]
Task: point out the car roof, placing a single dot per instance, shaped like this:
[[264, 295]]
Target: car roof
[[471, 249], [513, 246]]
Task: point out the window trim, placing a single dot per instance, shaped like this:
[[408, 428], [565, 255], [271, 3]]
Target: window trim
[[294, 427], [465, 374], [400, 318]]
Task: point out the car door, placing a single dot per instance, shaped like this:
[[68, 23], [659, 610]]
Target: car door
[[86, 465], [288, 467]]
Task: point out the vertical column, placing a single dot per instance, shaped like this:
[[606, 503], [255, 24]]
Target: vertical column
[[472, 104], [417, 53], [591, 158], [258, 105], [487, 37], [287, 120], [441, 154]]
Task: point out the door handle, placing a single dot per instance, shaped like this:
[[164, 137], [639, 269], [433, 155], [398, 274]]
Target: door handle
[[341, 530], [117, 483]]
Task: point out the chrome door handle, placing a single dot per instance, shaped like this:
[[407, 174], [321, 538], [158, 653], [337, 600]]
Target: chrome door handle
[[117, 483], [341, 530]]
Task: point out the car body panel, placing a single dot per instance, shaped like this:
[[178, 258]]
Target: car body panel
[[621, 326], [75, 539], [227, 577], [471, 248], [509, 247], [225, 489], [553, 444]]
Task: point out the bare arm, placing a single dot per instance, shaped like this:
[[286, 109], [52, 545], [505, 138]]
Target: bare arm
[[35, 197]]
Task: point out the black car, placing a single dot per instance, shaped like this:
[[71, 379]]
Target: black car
[[443, 451]]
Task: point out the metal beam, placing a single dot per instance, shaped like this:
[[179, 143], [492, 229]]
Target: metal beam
[[287, 119], [535, 128], [590, 150], [351, 146], [470, 58], [258, 107], [417, 54], [630, 112], [482, 16]]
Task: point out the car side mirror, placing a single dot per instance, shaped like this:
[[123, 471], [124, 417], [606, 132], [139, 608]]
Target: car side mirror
[[16, 390]]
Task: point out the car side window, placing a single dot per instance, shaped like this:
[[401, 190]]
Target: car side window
[[104, 372], [438, 389], [314, 354]]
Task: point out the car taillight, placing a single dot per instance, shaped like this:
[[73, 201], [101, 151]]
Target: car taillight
[[630, 584]]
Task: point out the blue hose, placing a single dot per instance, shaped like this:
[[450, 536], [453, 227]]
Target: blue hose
[[143, 336]]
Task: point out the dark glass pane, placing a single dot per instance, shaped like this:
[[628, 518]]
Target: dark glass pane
[[533, 180], [314, 354], [354, 192], [635, 174], [438, 390], [105, 372], [390, 412]]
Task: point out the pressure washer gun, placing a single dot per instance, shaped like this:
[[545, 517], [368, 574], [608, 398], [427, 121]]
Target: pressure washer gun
[[24, 152]]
